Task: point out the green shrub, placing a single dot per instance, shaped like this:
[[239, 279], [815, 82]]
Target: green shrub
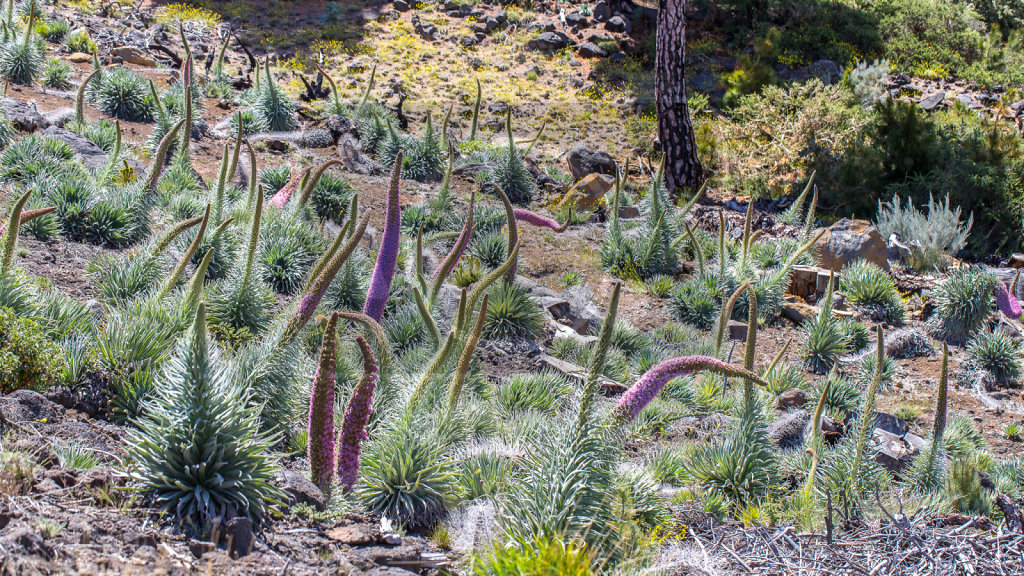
[[931, 237], [512, 313], [547, 556], [79, 41], [21, 60], [407, 477], [125, 94], [53, 30], [57, 74], [871, 289], [251, 121], [198, 446], [963, 304], [275, 109], [997, 353], [331, 198], [27, 358]]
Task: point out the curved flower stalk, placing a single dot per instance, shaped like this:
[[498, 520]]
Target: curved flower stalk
[[233, 167], [320, 445], [186, 257], [539, 221], [307, 191], [379, 335], [513, 230], [161, 155], [1006, 301], [726, 313], [387, 254], [254, 236], [218, 190], [462, 368], [194, 292], [80, 97], [452, 259], [598, 358], [29, 215], [476, 112], [253, 179], [10, 234], [647, 387], [814, 440], [428, 319], [369, 88], [484, 284], [941, 399], [340, 238], [279, 199], [186, 78], [696, 248], [357, 415], [311, 299], [749, 400]]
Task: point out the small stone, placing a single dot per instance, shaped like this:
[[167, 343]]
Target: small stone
[[353, 534], [601, 11], [617, 24], [799, 312], [591, 50], [299, 490], [80, 57], [792, 398], [133, 55], [200, 547], [401, 5], [238, 533], [932, 101]]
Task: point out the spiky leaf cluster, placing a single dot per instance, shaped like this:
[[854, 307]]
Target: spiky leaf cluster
[[963, 303], [997, 352], [871, 289], [198, 447], [125, 94]]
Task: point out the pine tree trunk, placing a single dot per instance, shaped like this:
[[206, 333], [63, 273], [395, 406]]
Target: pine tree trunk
[[682, 167]]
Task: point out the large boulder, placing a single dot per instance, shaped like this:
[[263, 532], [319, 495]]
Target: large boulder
[[849, 240], [584, 161], [589, 191], [23, 115], [92, 155]]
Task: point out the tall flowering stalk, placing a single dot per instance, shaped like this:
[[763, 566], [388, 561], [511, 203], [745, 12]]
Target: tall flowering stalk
[[161, 155], [1006, 301], [311, 299], [281, 197], [186, 257], [29, 215], [357, 415], [387, 255], [647, 387], [462, 368], [307, 191], [539, 221], [320, 446], [452, 259], [9, 240]]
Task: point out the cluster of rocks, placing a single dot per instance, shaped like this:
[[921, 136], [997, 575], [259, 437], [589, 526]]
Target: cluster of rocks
[[485, 22]]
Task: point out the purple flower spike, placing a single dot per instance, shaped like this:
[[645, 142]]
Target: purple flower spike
[[357, 415], [1006, 301], [320, 445], [539, 221], [387, 255], [452, 259], [282, 196], [647, 387]]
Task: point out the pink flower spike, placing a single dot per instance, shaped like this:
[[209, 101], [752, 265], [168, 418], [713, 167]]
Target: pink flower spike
[[357, 416], [650, 384], [539, 221], [1007, 302], [282, 195], [320, 439], [387, 254]]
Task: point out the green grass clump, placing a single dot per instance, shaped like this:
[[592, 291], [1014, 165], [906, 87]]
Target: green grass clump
[[512, 313], [871, 289], [57, 74], [125, 94], [998, 353], [963, 304]]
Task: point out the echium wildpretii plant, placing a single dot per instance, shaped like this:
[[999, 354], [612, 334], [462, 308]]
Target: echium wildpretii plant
[[928, 470], [357, 416], [450, 261], [320, 443], [387, 254], [1006, 301], [198, 446], [9, 230]]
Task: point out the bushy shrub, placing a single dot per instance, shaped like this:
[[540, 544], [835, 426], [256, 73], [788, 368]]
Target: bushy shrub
[[27, 358], [56, 74], [997, 353], [125, 94], [740, 467], [539, 556], [869, 82], [331, 197], [406, 476], [963, 303], [79, 41], [251, 122], [21, 60], [512, 313], [275, 109], [198, 446], [53, 30], [931, 237], [871, 289]]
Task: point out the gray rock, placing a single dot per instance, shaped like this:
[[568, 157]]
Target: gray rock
[[591, 50], [238, 533], [583, 161], [788, 430], [792, 398], [601, 11], [618, 24], [826, 70], [932, 101], [92, 155], [24, 116], [577, 20], [401, 5], [549, 42], [299, 490], [849, 240], [895, 452]]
